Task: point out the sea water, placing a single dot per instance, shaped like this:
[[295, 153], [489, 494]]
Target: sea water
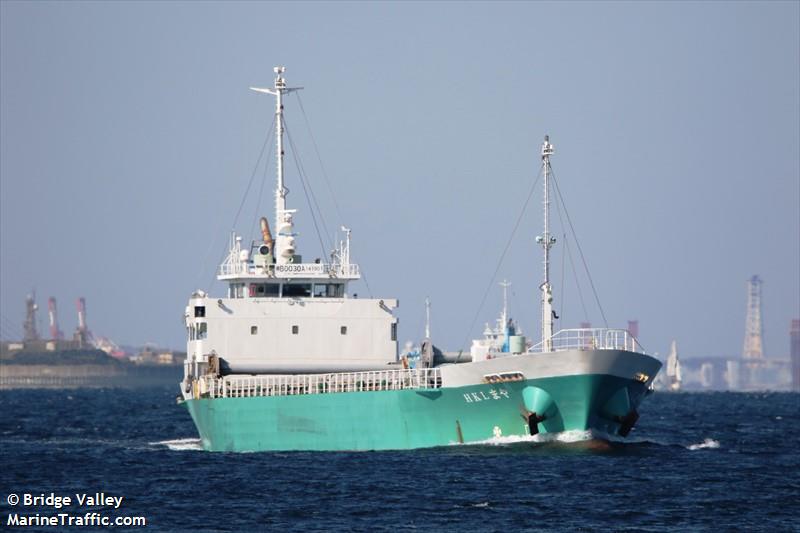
[[695, 462]]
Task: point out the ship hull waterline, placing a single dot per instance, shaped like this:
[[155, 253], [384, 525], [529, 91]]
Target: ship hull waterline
[[412, 418]]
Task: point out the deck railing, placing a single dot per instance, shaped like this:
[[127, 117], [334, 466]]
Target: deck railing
[[301, 384], [591, 339]]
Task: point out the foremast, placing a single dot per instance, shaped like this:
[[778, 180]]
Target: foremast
[[546, 241]]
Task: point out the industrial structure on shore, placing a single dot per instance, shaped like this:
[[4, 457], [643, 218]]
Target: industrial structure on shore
[[33, 341], [85, 360], [752, 370]]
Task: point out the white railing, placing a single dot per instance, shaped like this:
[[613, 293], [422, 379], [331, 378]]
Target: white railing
[[290, 270], [234, 268], [350, 270], [591, 339], [290, 385]]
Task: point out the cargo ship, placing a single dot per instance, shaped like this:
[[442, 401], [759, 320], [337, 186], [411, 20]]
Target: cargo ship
[[288, 359]]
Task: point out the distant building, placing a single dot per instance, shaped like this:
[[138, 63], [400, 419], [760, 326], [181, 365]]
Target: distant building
[[794, 350], [707, 375]]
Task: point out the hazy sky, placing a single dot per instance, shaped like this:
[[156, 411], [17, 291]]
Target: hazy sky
[[128, 136]]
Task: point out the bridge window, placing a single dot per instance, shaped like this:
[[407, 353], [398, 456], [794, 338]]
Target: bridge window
[[272, 290], [394, 331], [253, 330], [343, 330], [335, 290], [298, 290], [328, 290], [295, 330], [202, 331], [199, 311], [266, 290], [236, 290], [320, 290]]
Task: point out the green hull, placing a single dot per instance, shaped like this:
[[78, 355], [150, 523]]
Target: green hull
[[407, 419]]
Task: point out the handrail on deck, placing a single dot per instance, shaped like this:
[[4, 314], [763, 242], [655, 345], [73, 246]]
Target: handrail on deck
[[300, 384], [591, 339]]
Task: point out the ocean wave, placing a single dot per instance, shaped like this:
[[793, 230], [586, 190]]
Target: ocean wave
[[180, 445], [706, 444]]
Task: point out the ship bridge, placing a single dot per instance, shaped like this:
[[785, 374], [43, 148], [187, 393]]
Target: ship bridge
[[254, 273]]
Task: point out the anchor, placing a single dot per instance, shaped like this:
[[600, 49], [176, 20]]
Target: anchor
[[532, 419]]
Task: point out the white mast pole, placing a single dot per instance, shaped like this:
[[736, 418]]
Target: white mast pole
[[547, 241], [280, 191], [284, 242]]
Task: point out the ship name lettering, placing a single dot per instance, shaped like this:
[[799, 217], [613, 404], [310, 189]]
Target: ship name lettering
[[493, 394]]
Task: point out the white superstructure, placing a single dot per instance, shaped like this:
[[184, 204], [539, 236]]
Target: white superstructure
[[284, 316], [504, 339]]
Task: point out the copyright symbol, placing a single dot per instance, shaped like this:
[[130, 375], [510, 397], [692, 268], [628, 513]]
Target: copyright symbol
[[12, 499]]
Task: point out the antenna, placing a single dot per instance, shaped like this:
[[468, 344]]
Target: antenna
[[345, 255]]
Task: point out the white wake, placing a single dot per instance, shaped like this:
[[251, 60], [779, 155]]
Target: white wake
[[180, 445], [505, 440], [706, 444]]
